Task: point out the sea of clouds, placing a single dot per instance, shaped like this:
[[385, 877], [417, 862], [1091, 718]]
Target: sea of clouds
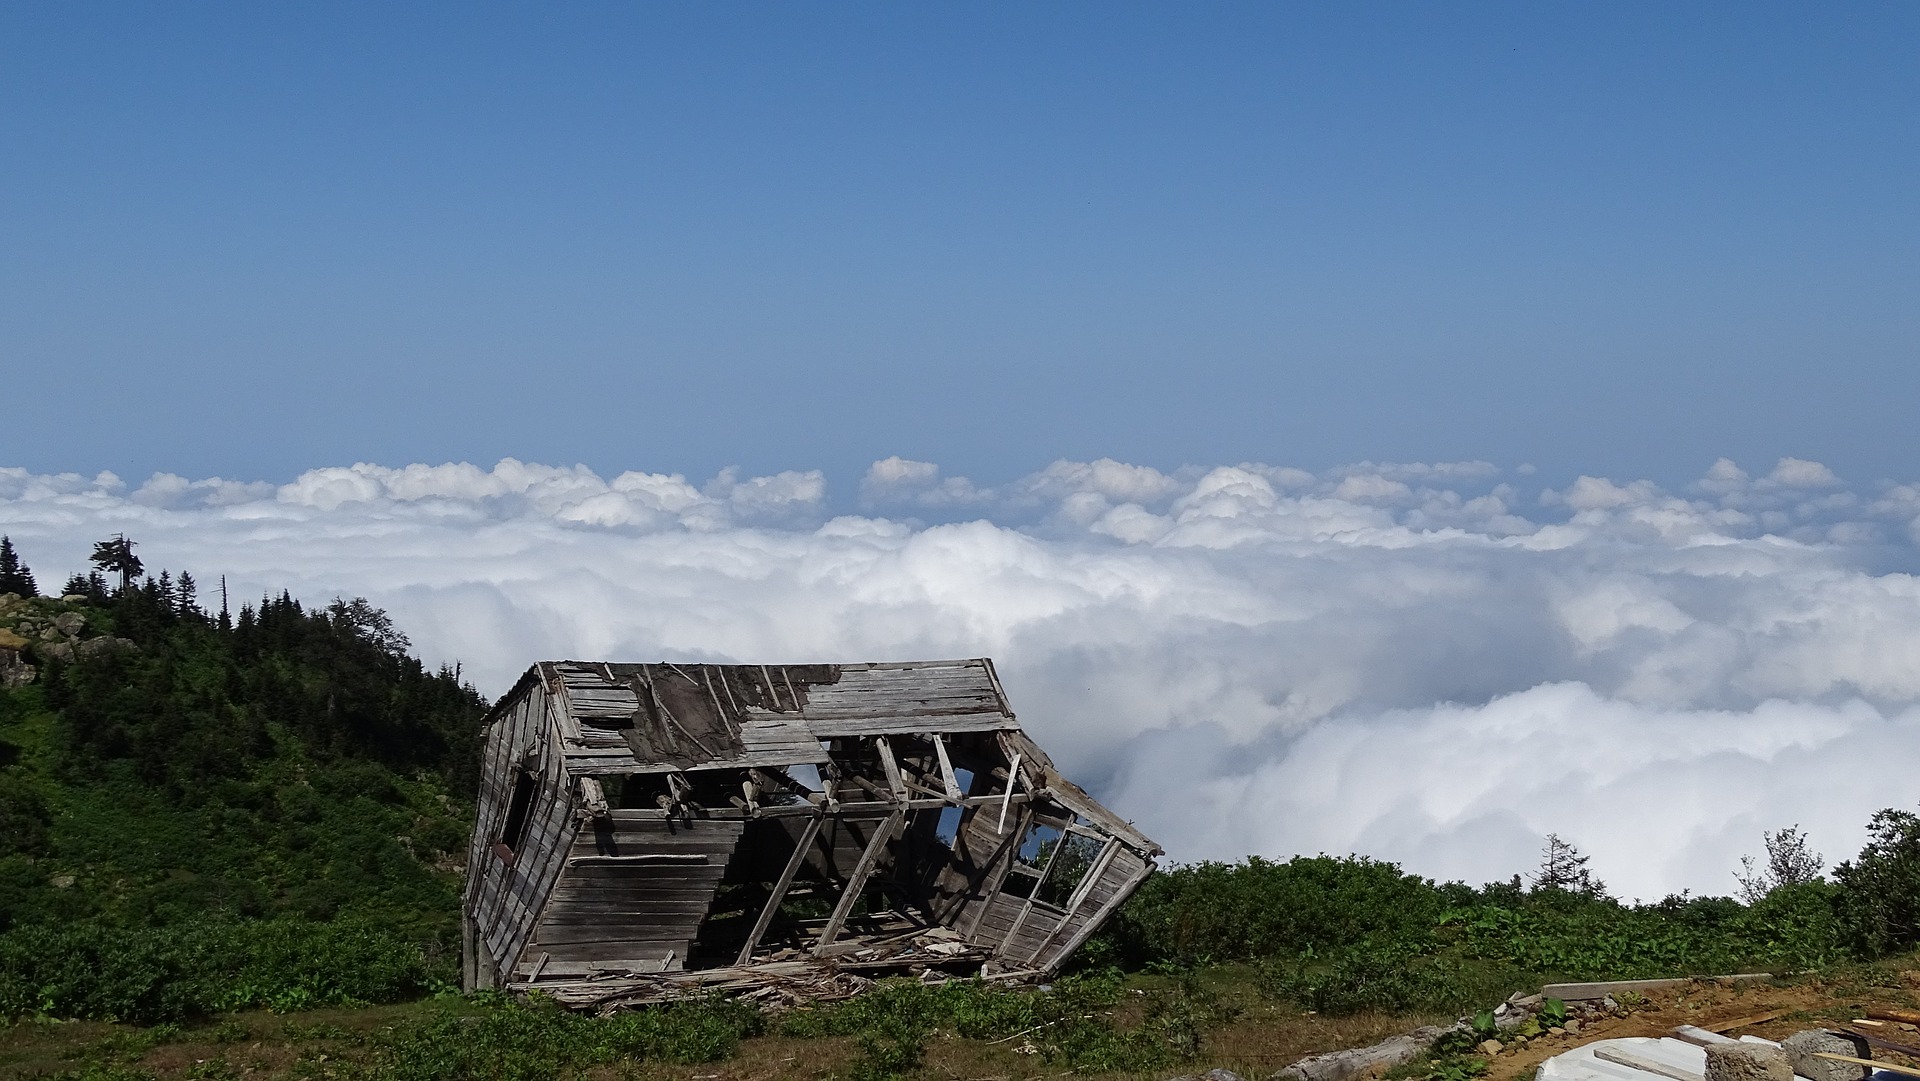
[[1433, 664]]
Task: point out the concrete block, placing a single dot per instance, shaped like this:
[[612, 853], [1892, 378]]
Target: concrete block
[[1801, 1046], [1747, 1062]]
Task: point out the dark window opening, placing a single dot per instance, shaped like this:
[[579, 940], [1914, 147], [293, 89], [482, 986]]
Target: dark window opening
[[514, 832]]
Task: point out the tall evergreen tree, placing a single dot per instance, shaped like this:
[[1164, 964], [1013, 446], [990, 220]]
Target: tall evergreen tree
[[15, 576], [186, 599]]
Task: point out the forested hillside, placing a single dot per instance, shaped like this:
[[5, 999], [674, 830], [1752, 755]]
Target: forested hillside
[[171, 777]]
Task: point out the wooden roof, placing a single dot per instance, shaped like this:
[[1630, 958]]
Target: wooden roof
[[639, 718]]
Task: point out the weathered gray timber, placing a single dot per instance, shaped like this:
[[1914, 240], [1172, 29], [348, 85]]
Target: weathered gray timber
[[648, 831]]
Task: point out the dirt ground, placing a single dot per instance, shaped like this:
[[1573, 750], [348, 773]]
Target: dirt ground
[[1267, 1036], [1809, 1002]]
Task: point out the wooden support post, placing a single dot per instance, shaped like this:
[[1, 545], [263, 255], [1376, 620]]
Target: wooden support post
[[890, 766], [1013, 778], [857, 881], [768, 910], [469, 952], [948, 779]]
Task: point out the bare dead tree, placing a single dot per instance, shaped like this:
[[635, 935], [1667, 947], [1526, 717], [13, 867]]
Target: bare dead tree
[[1790, 862], [1564, 867]]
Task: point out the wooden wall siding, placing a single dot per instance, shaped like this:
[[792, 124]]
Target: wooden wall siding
[[978, 844], [487, 805], [510, 896], [542, 857], [635, 887], [608, 890], [999, 916], [495, 902]]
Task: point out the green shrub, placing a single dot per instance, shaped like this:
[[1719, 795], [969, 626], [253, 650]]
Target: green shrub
[[100, 1073], [510, 1041], [1392, 978], [1066, 1024], [1259, 908], [148, 975], [1878, 907]]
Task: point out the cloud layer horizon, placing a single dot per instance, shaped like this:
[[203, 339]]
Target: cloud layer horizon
[[1426, 663]]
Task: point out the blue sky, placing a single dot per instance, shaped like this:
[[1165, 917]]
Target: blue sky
[[1626, 239]]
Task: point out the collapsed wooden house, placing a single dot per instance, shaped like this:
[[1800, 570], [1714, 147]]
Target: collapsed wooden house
[[652, 830]]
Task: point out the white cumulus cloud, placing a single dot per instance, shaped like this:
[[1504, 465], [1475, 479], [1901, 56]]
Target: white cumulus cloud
[[1436, 664]]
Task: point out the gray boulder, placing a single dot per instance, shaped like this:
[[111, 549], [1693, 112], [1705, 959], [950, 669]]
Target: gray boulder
[[88, 649]]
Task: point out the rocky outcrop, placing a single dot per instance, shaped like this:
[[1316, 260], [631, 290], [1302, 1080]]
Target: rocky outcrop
[[36, 631]]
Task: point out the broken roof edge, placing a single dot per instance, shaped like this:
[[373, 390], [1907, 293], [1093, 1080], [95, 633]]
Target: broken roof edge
[[544, 674]]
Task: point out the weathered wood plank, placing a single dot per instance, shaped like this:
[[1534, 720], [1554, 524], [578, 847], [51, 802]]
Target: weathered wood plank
[[617, 910], [589, 951], [828, 727]]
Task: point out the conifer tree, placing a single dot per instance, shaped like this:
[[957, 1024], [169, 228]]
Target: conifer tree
[[186, 598], [15, 576], [116, 554]]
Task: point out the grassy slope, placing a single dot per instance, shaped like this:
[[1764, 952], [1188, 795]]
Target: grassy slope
[[455, 1038], [217, 809]]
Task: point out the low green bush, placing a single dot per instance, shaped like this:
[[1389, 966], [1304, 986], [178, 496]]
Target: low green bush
[[1069, 1023], [1259, 908], [1878, 909], [162, 974], [494, 1038]]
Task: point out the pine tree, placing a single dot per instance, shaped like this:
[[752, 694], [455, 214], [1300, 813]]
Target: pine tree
[[186, 598], [15, 576], [116, 554]]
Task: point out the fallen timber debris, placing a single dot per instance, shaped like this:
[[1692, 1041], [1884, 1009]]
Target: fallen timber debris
[[785, 833], [1366, 1061], [1872, 1064]]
